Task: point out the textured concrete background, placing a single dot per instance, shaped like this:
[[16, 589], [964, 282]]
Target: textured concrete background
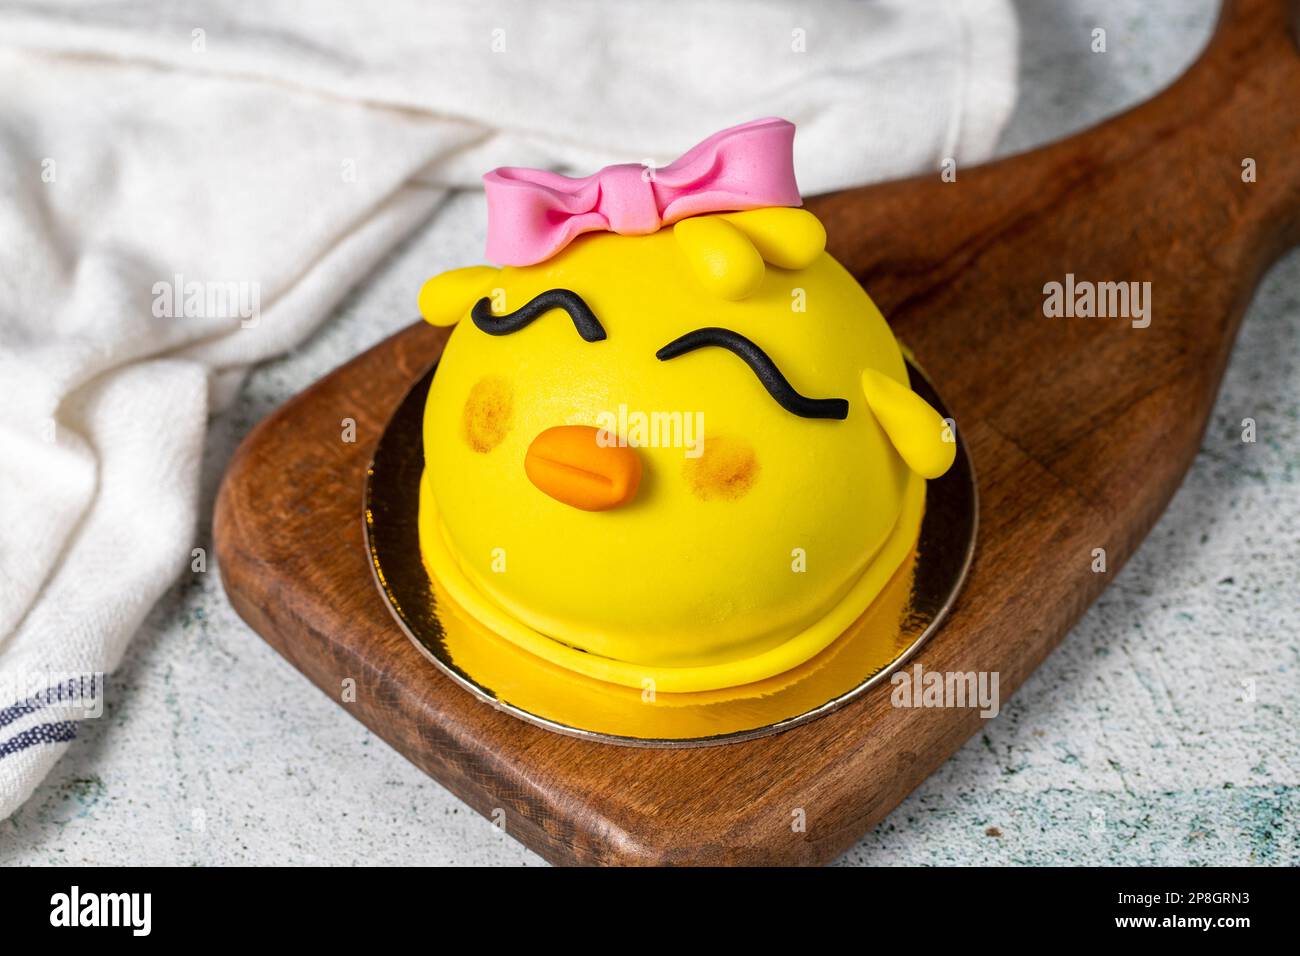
[[1164, 730]]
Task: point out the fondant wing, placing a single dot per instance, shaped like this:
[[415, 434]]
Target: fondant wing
[[917, 431], [447, 298]]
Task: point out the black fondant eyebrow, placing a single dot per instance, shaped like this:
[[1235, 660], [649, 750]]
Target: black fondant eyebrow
[[588, 325], [763, 367]]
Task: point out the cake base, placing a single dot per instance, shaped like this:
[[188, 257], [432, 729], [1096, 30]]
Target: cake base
[[905, 613]]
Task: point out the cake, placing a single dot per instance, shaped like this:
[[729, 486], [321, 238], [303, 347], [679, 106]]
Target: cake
[[670, 442]]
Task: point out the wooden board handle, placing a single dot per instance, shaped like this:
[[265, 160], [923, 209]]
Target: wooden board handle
[[1157, 194], [1173, 164], [1239, 101]]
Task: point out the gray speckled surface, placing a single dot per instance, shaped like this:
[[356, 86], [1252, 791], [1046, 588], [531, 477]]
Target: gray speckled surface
[[1134, 743]]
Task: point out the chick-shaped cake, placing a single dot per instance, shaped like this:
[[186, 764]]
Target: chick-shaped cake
[[671, 442]]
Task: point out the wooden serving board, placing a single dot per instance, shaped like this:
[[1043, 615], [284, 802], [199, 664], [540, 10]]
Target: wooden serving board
[[1080, 428]]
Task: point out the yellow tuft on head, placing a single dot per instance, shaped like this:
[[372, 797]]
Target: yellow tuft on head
[[729, 252], [722, 257], [785, 237]]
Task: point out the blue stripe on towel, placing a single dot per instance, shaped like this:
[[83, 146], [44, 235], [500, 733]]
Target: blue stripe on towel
[[20, 709], [34, 703], [59, 732]]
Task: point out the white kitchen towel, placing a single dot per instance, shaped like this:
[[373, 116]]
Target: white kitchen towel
[[187, 188]]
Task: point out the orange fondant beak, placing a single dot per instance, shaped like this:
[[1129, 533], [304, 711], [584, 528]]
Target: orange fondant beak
[[571, 465]]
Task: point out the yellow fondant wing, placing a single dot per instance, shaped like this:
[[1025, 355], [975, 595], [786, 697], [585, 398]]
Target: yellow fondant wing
[[923, 438], [447, 298]]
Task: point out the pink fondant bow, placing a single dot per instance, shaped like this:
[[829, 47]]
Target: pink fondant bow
[[533, 214]]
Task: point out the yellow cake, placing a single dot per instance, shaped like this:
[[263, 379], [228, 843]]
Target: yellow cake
[[684, 459]]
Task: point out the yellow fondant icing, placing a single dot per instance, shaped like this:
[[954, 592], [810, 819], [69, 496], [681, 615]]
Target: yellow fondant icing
[[447, 298], [916, 430], [724, 259], [705, 676], [783, 236], [733, 560]]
